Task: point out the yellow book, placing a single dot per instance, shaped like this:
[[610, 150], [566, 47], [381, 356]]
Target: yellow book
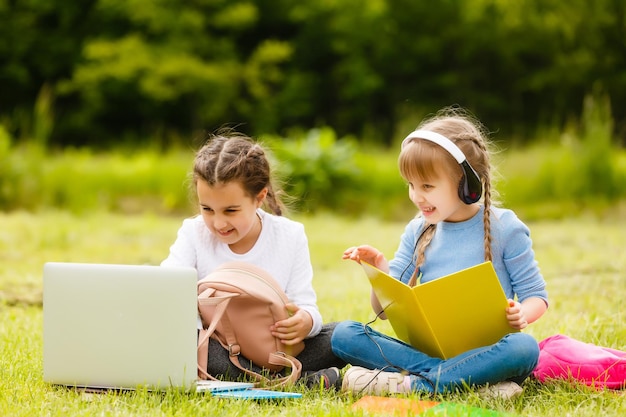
[[447, 316]]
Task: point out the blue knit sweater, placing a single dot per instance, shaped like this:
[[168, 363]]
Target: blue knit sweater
[[457, 246]]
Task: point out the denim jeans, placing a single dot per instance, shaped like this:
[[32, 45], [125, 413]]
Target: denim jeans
[[512, 358]]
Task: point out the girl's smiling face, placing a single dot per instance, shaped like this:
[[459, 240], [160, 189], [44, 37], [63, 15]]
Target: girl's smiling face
[[433, 176], [438, 199], [230, 213]]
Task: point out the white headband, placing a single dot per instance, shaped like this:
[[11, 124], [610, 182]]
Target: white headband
[[440, 140]]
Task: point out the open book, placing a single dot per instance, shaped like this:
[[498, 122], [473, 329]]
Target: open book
[[447, 316]]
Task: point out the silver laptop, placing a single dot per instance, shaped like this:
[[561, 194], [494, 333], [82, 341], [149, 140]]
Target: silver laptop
[[119, 326]]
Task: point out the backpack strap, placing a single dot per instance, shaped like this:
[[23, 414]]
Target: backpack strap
[[206, 300], [276, 358], [213, 303]]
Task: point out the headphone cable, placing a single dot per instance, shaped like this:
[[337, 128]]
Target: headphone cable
[[389, 363], [380, 350]]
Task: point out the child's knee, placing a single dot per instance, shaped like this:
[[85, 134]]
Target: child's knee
[[524, 348], [346, 331]]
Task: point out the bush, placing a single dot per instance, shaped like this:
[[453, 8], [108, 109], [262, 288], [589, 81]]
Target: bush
[[80, 181], [318, 168], [320, 172], [581, 172]]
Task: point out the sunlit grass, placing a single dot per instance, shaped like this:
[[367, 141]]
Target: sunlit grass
[[581, 258]]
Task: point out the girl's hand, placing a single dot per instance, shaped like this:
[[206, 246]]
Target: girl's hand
[[366, 253], [295, 328], [374, 257], [515, 315]]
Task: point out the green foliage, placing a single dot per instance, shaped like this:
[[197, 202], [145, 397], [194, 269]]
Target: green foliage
[[597, 151], [319, 172], [582, 171], [81, 181], [317, 167], [43, 118], [6, 174], [113, 71], [5, 142], [379, 190]]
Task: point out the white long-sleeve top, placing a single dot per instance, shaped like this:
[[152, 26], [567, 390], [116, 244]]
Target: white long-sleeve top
[[282, 249]]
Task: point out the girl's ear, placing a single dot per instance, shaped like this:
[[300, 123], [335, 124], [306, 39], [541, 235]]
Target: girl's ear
[[260, 197]]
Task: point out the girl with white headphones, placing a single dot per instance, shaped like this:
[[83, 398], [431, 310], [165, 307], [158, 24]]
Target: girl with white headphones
[[447, 167]]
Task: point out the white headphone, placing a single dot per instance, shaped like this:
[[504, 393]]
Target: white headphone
[[470, 186]]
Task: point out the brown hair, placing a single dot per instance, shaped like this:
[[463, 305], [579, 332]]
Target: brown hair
[[231, 156], [425, 160]]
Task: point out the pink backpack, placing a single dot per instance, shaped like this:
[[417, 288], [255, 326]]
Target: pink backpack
[[562, 357], [238, 302]]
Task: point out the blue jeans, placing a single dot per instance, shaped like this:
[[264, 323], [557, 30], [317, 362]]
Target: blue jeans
[[512, 358]]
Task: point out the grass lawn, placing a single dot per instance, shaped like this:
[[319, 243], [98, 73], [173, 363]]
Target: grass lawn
[[582, 259]]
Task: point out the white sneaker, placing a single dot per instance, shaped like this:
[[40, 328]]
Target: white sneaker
[[367, 381], [506, 390]]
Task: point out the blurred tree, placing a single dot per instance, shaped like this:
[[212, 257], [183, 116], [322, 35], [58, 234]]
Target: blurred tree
[[337, 47], [40, 43], [104, 72], [153, 69]]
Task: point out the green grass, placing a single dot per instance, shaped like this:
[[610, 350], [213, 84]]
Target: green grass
[[581, 258]]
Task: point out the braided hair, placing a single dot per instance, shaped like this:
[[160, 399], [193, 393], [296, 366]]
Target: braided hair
[[230, 156]]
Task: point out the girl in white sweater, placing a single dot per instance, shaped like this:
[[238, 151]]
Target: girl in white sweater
[[233, 181]]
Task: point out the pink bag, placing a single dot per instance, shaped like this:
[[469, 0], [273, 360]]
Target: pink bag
[[562, 357], [238, 302]]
